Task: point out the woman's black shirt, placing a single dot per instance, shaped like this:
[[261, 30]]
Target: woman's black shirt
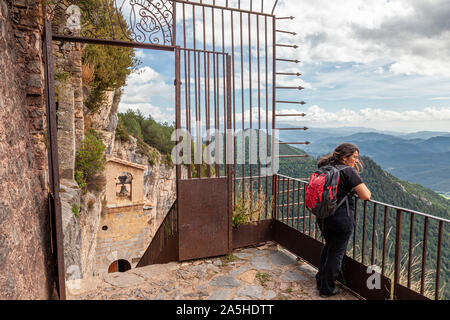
[[349, 179], [341, 220]]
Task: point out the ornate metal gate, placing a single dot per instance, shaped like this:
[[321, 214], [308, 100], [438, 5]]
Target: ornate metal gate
[[225, 80]]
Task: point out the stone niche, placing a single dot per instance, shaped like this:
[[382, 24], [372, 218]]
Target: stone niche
[[124, 230], [124, 182]]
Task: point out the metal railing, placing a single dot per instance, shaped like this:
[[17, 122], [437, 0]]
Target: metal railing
[[418, 269], [164, 245]]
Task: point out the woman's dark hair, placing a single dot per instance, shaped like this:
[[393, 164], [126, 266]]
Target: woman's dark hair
[[337, 157]]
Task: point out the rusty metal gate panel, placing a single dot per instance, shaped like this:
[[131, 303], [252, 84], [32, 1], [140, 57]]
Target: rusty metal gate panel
[[203, 107], [53, 164], [203, 220]]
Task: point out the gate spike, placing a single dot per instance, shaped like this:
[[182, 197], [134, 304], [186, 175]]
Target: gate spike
[[287, 45], [288, 74], [296, 102], [298, 88], [288, 60], [288, 32]]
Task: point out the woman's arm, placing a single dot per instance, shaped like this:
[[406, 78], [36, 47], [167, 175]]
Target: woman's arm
[[363, 192]]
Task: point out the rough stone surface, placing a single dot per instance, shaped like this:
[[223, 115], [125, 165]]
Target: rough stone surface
[[225, 282], [163, 281], [222, 294], [242, 255], [66, 130], [70, 200], [270, 294], [123, 280], [248, 276], [24, 225], [261, 263], [239, 270], [292, 275], [281, 259], [308, 269], [250, 291]]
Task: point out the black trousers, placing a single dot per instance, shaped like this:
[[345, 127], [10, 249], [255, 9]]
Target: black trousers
[[336, 230]]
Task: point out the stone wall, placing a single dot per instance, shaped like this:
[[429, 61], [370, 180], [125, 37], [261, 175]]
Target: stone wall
[[24, 226], [124, 233]]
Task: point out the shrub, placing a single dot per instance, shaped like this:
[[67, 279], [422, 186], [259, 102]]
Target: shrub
[[121, 134], [76, 210], [87, 73], [250, 207], [90, 162]]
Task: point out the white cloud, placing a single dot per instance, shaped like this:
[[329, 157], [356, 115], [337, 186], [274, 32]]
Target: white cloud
[[414, 35], [441, 98], [158, 113], [430, 118], [144, 91], [145, 85], [409, 65]]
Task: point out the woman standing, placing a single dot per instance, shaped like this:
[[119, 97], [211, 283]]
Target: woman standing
[[337, 228]]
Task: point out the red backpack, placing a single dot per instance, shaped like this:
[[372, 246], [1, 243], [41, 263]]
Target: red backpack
[[321, 191]]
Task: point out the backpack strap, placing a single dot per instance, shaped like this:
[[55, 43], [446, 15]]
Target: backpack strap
[[340, 167], [346, 203]]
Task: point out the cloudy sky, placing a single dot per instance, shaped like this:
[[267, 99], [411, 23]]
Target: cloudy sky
[[374, 63]]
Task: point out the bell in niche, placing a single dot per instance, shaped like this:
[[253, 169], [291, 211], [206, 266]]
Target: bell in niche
[[123, 189]]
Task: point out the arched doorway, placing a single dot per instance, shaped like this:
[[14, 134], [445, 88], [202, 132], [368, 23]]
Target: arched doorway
[[119, 266]]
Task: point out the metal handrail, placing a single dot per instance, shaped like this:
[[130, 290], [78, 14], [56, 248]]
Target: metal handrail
[[304, 180], [282, 202]]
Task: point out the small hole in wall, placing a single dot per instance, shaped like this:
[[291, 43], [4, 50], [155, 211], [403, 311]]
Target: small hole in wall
[[104, 228]]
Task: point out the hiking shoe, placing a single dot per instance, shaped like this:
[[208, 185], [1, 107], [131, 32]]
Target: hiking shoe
[[335, 292]]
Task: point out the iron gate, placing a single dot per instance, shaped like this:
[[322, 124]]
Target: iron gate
[[225, 63], [204, 194]]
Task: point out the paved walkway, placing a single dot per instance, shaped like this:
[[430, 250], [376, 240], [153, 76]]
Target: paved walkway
[[259, 273]]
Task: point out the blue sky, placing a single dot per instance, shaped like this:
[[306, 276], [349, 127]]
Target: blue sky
[[373, 63]]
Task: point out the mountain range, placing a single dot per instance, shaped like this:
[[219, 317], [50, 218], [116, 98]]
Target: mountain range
[[420, 157]]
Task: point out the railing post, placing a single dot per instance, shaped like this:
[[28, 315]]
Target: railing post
[[398, 239], [410, 249], [355, 229], [274, 196], [438, 262], [383, 259], [374, 223], [363, 246], [424, 255]]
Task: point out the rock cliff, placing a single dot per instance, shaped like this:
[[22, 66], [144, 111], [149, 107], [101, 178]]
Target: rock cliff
[[82, 212]]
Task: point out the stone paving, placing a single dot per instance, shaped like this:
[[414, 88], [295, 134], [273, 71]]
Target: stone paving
[[267, 272]]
